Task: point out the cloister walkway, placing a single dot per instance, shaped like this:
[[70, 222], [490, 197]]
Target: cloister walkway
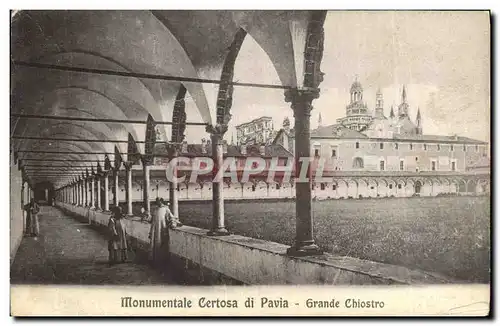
[[71, 252]]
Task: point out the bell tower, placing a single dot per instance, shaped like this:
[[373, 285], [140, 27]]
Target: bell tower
[[379, 104]]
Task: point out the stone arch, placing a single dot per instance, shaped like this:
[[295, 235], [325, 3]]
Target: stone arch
[[418, 186], [462, 186], [373, 187], [471, 186]]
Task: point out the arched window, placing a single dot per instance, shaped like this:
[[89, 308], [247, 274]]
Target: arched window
[[358, 163]]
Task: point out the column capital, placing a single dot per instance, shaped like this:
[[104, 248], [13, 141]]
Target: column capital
[[217, 130], [301, 99], [128, 165], [147, 160], [172, 150]]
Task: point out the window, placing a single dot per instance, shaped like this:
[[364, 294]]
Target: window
[[477, 148], [334, 153], [399, 186], [357, 144], [464, 148], [390, 186], [439, 147], [381, 145], [433, 166], [396, 146], [452, 148], [411, 146], [334, 187], [453, 166], [416, 158], [425, 147], [253, 187], [401, 165], [316, 152], [322, 186], [382, 165], [358, 163]]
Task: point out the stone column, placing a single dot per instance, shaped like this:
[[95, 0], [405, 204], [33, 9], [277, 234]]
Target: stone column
[[172, 188], [92, 194], [86, 189], [23, 201], [218, 228], [78, 194], [106, 192], [128, 188], [115, 187], [82, 188], [146, 167], [98, 192], [301, 104]]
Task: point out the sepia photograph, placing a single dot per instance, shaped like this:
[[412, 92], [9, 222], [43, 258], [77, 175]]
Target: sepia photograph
[[250, 162]]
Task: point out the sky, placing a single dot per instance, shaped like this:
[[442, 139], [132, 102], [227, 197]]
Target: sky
[[441, 57]]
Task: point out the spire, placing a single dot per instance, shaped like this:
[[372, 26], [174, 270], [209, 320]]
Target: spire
[[391, 115], [403, 95], [319, 120], [232, 138], [419, 122]]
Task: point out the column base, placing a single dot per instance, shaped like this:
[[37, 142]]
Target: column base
[[304, 250], [219, 232]]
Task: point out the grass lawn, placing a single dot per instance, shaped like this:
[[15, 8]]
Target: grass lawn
[[447, 235]]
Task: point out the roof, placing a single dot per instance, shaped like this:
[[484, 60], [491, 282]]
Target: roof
[[337, 131], [195, 150], [346, 133], [440, 138]]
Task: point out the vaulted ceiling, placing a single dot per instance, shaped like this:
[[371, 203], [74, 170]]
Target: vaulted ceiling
[[192, 44]]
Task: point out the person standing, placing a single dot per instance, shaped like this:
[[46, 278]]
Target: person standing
[[158, 234], [121, 229], [32, 224], [117, 242]]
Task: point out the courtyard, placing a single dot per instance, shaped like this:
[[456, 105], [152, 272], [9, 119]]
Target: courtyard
[[446, 235]]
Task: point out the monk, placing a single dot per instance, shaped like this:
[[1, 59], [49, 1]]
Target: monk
[[117, 243], [162, 219], [32, 224]]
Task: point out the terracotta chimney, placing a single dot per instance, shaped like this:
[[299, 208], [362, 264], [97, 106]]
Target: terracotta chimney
[[203, 145], [184, 147], [224, 146]]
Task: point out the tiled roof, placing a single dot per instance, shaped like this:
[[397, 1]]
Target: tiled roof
[[337, 131], [344, 132], [439, 138], [274, 150]]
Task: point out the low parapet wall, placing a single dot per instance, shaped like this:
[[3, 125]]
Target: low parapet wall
[[234, 259]]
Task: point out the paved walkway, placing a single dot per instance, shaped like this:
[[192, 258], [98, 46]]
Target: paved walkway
[[71, 252]]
